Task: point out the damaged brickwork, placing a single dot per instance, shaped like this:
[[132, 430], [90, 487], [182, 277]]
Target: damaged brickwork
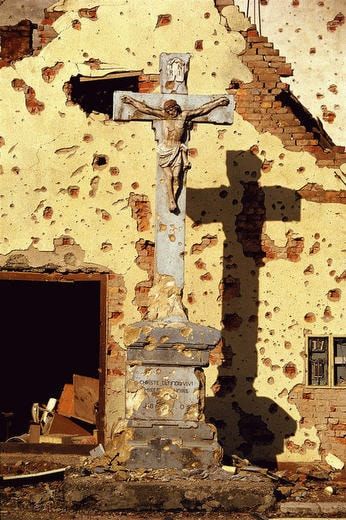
[[322, 408], [269, 105]]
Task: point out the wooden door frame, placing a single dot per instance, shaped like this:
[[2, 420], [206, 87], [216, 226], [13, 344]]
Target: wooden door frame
[[79, 277]]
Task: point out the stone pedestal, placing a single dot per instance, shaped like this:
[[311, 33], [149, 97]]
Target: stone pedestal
[[165, 394]]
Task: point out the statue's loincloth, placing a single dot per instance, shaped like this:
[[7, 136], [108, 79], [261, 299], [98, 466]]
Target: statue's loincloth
[[171, 157]]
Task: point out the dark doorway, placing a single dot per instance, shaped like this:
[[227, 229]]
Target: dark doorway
[[50, 330]]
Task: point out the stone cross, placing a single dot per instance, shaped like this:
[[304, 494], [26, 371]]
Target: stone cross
[[171, 113]]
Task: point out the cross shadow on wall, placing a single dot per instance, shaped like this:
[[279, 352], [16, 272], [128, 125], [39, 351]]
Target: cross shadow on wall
[[248, 425]]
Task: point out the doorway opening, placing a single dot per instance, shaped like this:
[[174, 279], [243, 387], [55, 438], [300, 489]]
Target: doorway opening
[[52, 328]]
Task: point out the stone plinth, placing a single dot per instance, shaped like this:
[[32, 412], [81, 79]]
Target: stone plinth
[[165, 394]]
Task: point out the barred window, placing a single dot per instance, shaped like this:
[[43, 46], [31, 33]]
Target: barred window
[[326, 361]]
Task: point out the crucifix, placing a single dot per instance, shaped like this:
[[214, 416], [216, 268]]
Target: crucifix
[[171, 113]]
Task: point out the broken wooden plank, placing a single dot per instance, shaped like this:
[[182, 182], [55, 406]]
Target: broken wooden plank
[[66, 401], [86, 396]]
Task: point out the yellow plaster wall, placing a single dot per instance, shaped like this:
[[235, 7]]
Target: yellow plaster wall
[[49, 154]]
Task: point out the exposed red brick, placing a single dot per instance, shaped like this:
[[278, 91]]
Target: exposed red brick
[[276, 116], [337, 21], [316, 193], [207, 241], [163, 19], [91, 13], [141, 210], [49, 73]]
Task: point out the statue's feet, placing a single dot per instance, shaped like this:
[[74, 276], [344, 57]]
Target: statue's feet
[[172, 206]]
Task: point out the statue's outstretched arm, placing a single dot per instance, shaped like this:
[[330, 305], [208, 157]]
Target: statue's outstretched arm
[[207, 107], [142, 107]]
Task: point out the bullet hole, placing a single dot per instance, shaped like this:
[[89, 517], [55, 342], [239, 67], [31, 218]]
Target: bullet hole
[[106, 247], [50, 73], [114, 170], [310, 317], [315, 248], [317, 236], [266, 166], [118, 186], [273, 408], [119, 145], [312, 50], [199, 45], [290, 370], [235, 202], [267, 362], [333, 88], [223, 194], [332, 273], [191, 298], [15, 170], [229, 288], [206, 277], [254, 149], [319, 95], [337, 21], [105, 215], [76, 25], [327, 315], [334, 295], [232, 321], [100, 162], [73, 191], [88, 138], [193, 152], [91, 14], [287, 345], [295, 3], [94, 184], [268, 315], [48, 212], [309, 270], [327, 115], [2, 141], [18, 84], [301, 169], [163, 20], [135, 185], [93, 63], [200, 264], [206, 15], [270, 381]]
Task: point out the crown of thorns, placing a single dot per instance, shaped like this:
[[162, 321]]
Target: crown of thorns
[[170, 103]]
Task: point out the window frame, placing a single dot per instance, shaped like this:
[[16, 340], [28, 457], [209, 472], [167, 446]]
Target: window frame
[[331, 363]]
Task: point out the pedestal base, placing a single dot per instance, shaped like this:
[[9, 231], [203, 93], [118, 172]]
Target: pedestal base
[[174, 447], [165, 395]]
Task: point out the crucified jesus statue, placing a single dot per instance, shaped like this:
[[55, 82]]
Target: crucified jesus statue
[[171, 148]]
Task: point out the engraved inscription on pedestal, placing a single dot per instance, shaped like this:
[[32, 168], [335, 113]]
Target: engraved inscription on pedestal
[[162, 393]]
